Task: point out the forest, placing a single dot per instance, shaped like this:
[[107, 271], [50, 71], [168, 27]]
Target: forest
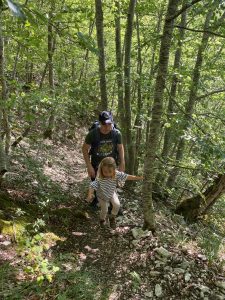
[[158, 67]]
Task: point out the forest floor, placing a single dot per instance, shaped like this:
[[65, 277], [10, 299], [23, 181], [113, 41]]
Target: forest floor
[[66, 255]]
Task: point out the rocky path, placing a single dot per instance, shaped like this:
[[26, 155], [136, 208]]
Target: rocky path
[[126, 263]]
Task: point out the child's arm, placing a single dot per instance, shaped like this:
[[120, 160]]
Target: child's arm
[[133, 177]]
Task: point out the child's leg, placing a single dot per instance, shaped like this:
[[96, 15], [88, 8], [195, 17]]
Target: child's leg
[[115, 204], [104, 208]]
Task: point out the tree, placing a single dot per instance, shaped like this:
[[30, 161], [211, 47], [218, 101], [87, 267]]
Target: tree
[[127, 90], [101, 55], [119, 65], [149, 222], [51, 48], [168, 136], [2, 101], [191, 100], [194, 207], [138, 122]]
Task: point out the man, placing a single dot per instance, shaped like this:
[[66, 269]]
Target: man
[[103, 141]]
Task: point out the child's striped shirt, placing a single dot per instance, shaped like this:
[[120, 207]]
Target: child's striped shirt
[[106, 187]]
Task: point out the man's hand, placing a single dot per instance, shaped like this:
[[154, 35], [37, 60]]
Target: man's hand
[[91, 171]]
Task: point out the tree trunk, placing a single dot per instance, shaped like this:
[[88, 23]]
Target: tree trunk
[[151, 147], [3, 99], [15, 62], [127, 92], [20, 138], [51, 48], [85, 63], [152, 70], [138, 122], [194, 207], [101, 56], [170, 109], [191, 101], [119, 65], [43, 76]]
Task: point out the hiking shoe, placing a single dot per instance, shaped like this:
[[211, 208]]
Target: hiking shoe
[[112, 221]]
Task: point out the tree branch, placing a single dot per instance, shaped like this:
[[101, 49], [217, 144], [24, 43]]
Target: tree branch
[[185, 7], [210, 93], [199, 30]]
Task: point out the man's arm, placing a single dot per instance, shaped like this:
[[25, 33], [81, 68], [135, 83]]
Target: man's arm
[[121, 157], [85, 150]]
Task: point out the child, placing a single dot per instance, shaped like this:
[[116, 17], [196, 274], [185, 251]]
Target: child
[[105, 186]]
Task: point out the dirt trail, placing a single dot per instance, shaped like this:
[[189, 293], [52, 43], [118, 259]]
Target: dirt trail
[[126, 263]]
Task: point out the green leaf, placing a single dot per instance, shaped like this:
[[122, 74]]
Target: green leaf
[[16, 9], [87, 42]]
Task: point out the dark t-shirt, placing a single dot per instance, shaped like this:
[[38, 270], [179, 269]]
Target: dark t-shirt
[[106, 147]]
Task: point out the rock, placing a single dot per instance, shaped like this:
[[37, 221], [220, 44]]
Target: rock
[[219, 297], [179, 271], [187, 277], [158, 290], [168, 268], [184, 265], [134, 242], [154, 273], [163, 252], [202, 257], [220, 284], [148, 294], [204, 289], [159, 264], [5, 243], [138, 233]]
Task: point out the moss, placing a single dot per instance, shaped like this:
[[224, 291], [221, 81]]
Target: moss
[[13, 228]]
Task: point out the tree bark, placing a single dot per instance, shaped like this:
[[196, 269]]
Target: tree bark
[[153, 71], [85, 64], [119, 65], [168, 136], [127, 88], [43, 75], [191, 100], [20, 138], [51, 48], [138, 122], [194, 207], [3, 99], [16, 61], [151, 147], [101, 56]]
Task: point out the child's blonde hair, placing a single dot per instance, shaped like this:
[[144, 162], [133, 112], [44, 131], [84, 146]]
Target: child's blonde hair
[[106, 162]]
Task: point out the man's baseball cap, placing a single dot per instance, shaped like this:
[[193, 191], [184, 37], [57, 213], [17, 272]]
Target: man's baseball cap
[[105, 117]]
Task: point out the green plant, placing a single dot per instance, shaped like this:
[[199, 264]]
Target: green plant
[[38, 266]]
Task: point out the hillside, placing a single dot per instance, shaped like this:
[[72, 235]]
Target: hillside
[[52, 247]]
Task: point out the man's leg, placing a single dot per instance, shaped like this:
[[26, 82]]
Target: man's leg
[[94, 203]]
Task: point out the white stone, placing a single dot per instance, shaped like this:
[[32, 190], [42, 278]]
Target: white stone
[[178, 270], [163, 252], [148, 294], [158, 290], [187, 277], [220, 284], [154, 273]]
